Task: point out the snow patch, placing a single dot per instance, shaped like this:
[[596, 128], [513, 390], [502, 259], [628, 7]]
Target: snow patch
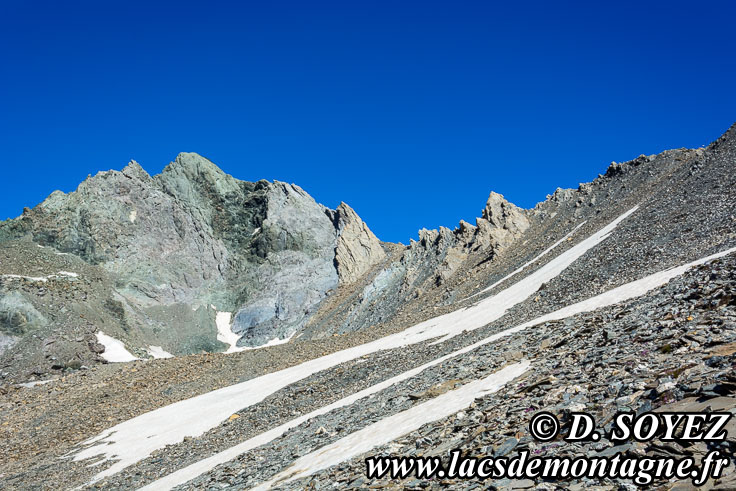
[[158, 352], [42, 279], [34, 383], [115, 351], [224, 333], [227, 336], [273, 342]]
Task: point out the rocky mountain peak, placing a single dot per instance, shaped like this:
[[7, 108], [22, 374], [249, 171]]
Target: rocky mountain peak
[[199, 185], [190, 172], [502, 214], [134, 171], [358, 249], [193, 164], [501, 224]]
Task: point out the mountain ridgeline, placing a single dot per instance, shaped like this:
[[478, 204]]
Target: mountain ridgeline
[[152, 260], [619, 295]]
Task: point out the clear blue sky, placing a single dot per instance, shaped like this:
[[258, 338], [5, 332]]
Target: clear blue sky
[[411, 112]]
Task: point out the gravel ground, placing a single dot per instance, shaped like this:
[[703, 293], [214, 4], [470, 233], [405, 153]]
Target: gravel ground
[[665, 351], [171, 380]]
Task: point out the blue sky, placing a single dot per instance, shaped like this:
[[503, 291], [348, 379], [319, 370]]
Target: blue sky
[[411, 112]]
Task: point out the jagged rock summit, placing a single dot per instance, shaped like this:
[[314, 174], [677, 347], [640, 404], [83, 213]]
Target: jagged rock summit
[[502, 222], [358, 249]]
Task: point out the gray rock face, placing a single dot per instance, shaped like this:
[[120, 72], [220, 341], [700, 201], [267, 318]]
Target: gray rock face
[[298, 270], [177, 242], [358, 249], [144, 236]]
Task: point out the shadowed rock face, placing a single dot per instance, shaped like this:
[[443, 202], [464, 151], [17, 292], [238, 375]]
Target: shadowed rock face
[[297, 241]]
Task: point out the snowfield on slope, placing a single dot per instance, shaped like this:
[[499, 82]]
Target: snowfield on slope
[[223, 320], [617, 295], [131, 441], [224, 333], [393, 427], [42, 279], [157, 352], [527, 264]]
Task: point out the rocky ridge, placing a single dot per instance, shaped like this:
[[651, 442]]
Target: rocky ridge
[[173, 250]]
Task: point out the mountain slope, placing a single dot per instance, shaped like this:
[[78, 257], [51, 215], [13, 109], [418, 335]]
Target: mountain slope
[[575, 292]]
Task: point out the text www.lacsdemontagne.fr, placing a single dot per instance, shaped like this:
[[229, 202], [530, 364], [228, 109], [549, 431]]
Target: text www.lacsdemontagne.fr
[[640, 469]]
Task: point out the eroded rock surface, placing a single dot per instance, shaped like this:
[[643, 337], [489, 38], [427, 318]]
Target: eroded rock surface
[[358, 249]]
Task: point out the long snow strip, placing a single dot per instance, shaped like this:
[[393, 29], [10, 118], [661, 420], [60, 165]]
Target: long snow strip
[[393, 427], [133, 440], [617, 295], [527, 264], [42, 279]]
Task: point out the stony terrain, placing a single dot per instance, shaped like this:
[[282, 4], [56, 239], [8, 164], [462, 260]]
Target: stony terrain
[[285, 265], [673, 350]]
